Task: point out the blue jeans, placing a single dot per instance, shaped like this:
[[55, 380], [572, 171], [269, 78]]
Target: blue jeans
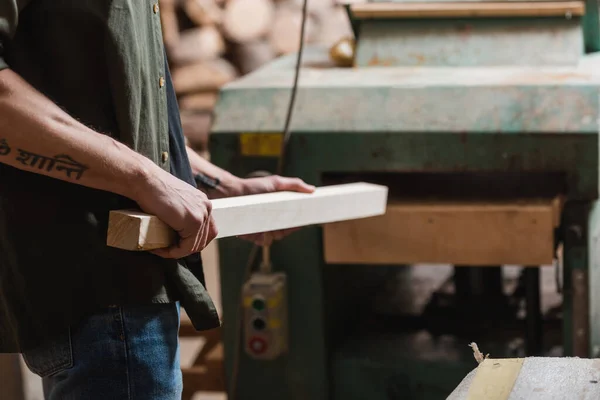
[[121, 353]]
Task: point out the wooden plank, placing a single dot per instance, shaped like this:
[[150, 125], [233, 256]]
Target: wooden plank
[[468, 9], [469, 233], [133, 230], [495, 379], [539, 378]]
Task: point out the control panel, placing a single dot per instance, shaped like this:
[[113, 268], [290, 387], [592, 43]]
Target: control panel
[[265, 315]]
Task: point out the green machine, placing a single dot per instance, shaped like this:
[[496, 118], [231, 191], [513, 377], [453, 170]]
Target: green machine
[[455, 107]]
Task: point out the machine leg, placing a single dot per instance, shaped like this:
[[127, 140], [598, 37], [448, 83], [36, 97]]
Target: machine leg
[[578, 221], [581, 326], [533, 335]]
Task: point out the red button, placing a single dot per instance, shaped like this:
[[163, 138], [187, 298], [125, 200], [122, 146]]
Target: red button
[[258, 345]]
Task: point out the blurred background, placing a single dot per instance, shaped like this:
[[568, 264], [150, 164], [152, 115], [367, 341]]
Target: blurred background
[[213, 42]]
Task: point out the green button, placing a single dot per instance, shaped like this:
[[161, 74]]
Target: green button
[[258, 304]]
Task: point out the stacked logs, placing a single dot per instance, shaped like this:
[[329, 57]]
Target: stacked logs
[[212, 42]]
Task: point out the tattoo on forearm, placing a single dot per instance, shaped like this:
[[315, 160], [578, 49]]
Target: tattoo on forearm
[[61, 162]]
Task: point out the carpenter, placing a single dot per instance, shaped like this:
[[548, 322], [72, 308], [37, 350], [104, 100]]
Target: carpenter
[[89, 123]]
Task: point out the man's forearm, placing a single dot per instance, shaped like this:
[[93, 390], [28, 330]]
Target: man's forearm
[[228, 183], [39, 137]]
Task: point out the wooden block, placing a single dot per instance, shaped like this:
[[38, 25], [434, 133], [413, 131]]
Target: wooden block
[[196, 45], [133, 230], [246, 21], [284, 35], [253, 55], [468, 9], [202, 101], [203, 12], [203, 76], [136, 230], [482, 233]]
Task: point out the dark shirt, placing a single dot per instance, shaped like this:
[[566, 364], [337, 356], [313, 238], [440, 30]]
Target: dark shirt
[[103, 62]]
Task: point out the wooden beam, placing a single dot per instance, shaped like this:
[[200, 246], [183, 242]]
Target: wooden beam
[[133, 230], [468, 9], [467, 233]]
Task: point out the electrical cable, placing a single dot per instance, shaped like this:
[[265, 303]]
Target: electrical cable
[[279, 171], [287, 127]]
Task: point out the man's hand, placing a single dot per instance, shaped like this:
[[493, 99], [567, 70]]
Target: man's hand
[[181, 206], [272, 183], [231, 186], [269, 184]]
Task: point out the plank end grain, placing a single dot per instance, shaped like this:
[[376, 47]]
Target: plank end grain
[[137, 231]]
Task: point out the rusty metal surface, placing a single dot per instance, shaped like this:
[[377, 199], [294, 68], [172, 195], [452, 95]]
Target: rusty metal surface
[[403, 99], [470, 42]]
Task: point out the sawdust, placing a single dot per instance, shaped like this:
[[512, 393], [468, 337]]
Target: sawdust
[[479, 357]]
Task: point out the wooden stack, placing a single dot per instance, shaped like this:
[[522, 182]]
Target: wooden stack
[[212, 42]]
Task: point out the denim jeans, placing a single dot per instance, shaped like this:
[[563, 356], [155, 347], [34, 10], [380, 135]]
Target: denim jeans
[[119, 353]]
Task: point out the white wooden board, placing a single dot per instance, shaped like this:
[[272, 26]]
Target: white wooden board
[[243, 215], [539, 378]]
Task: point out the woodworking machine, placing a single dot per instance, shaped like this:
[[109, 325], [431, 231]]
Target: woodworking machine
[[482, 118]]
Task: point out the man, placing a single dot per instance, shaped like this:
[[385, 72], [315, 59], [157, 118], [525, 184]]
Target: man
[[88, 124]]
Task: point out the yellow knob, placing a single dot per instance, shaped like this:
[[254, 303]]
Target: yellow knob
[[342, 52]]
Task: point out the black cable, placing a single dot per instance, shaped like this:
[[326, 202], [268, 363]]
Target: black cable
[[279, 171], [288, 119]]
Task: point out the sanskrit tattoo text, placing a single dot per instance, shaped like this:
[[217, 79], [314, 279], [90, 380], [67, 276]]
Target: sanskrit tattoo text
[[61, 162]]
